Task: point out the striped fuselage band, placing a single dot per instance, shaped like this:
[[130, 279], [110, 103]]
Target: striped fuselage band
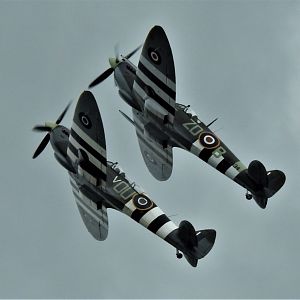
[[153, 219]]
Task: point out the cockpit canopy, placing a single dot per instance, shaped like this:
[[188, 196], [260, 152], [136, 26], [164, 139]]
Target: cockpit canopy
[[117, 168], [187, 109]]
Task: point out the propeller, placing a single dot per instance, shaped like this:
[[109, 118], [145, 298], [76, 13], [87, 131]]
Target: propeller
[[48, 127], [113, 61], [42, 146], [133, 51]]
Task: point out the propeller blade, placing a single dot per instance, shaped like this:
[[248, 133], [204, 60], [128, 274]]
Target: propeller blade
[[63, 113], [133, 52], [42, 128], [42, 146], [102, 77]]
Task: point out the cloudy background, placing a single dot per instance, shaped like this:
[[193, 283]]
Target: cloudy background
[[236, 60]]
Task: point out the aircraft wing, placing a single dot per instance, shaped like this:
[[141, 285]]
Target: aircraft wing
[[159, 160], [155, 76], [87, 147], [94, 215]]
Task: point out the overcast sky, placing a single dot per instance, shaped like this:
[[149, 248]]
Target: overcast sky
[[236, 60]]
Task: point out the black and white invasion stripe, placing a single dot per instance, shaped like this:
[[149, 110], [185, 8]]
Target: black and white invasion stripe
[[153, 219], [148, 75], [96, 168], [158, 74], [226, 163]]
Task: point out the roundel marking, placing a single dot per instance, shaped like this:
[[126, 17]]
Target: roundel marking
[[209, 140], [142, 202], [85, 120], [154, 55]]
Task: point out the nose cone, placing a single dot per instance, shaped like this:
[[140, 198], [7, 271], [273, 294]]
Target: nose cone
[[113, 62], [51, 125]]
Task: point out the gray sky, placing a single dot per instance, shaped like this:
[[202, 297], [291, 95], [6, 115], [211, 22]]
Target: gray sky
[[236, 60]]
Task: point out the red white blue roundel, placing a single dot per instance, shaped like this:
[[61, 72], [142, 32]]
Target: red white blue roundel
[[142, 202], [209, 140]]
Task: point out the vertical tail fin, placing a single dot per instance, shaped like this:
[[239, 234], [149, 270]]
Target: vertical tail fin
[[193, 244], [261, 183]]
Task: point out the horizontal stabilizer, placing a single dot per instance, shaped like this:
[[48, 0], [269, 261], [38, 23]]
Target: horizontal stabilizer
[[193, 261], [276, 180], [206, 239], [205, 242], [194, 244], [266, 183]]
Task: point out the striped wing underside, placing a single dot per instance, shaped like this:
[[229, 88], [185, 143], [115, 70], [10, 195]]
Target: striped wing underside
[[159, 160], [155, 76], [95, 218], [87, 147]]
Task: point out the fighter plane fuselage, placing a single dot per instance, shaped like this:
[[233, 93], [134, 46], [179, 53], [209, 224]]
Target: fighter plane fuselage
[[122, 194], [185, 130]]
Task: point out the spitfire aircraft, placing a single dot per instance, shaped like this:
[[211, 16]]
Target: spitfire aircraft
[[99, 184], [161, 123]]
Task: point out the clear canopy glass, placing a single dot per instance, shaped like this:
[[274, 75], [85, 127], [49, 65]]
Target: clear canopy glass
[[187, 109], [116, 167]]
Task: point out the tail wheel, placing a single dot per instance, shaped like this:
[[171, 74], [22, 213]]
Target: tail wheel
[[248, 196], [178, 254]]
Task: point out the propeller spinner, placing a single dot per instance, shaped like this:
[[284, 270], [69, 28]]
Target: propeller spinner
[[113, 61], [48, 127]]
